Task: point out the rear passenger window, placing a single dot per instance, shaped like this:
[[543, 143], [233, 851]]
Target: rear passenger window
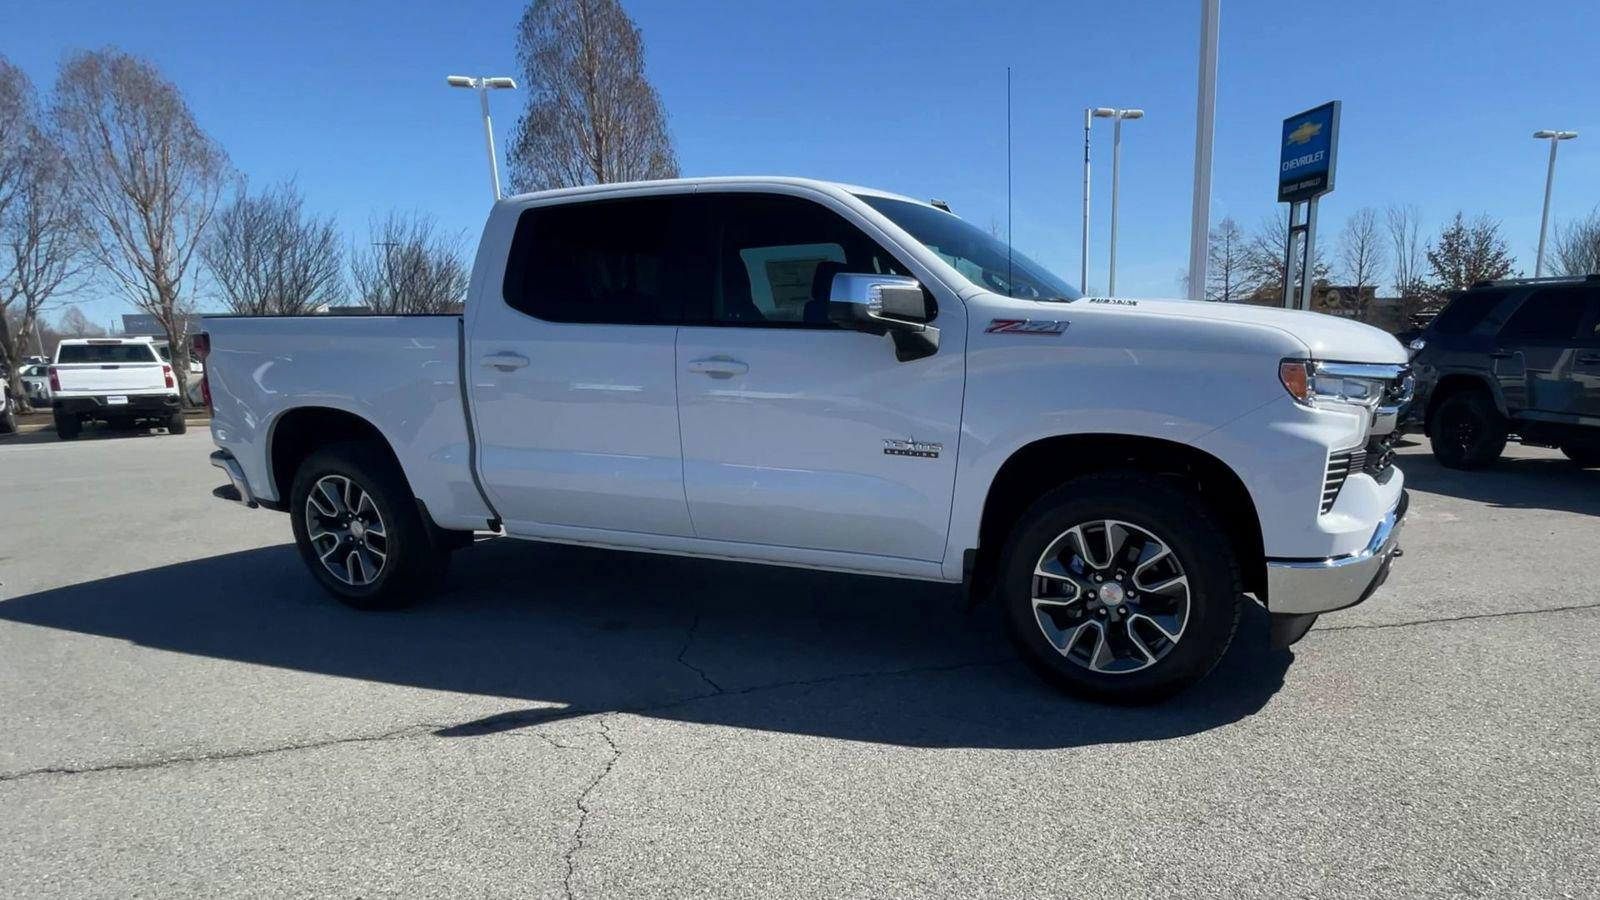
[[1548, 314], [607, 261]]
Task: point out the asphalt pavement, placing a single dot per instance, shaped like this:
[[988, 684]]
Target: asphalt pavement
[[184, 713]]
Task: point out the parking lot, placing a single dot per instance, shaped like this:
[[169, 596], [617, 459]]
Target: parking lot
[[183, 712]]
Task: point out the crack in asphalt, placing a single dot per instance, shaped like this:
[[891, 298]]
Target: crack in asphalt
[[1445, 620], [408, 731], [688, 640], [583, 806]]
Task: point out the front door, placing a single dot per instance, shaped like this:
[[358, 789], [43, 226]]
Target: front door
[[571, 364], [797, 433]]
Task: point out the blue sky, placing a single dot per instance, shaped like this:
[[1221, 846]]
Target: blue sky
[[1440, 101]]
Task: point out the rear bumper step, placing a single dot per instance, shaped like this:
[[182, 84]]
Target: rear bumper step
[[238, 489]]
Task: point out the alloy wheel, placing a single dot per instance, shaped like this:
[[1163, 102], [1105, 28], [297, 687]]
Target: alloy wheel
[[346, 530], [1111, 596]]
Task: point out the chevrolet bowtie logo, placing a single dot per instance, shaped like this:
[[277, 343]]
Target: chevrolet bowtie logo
[[1304, 133]]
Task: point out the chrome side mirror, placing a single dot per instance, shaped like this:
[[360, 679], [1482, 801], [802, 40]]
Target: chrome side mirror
[[895, 305]]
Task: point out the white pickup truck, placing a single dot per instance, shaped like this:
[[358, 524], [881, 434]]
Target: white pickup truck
[[120, 381], [803, 373]]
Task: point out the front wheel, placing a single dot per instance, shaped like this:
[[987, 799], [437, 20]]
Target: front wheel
[[358, 529], [1120, 587], [1466, 432]]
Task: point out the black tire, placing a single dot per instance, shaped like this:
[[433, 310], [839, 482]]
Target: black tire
[[411, 564], [1466, 431], [68, 427], [1585, 455], [8, 422], [1169, 514], [176, 423]]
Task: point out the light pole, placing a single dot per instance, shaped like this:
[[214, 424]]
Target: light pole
[[483, 86], [1554, 137], [1089, 115], [1116, 166], [1205, 124]]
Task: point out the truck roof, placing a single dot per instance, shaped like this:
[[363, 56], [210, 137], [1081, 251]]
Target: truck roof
[[746, 180], [138, 339]]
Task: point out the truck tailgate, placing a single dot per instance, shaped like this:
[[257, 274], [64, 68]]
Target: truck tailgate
[[111, 378], [400, 375]]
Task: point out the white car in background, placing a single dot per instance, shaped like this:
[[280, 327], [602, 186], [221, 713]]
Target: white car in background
[[36, 384]]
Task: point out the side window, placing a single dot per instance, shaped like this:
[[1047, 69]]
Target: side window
[[1548, 314], [604, 262], [1467, 310], [775, 258]]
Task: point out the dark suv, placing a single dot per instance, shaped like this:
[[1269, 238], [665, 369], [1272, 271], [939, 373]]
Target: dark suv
[[1512, 358]]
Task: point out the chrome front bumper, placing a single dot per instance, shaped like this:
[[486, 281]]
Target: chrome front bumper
[[239, 489], [1299, 587]]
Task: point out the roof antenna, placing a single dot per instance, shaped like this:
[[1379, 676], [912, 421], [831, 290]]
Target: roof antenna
[[1011, 286]]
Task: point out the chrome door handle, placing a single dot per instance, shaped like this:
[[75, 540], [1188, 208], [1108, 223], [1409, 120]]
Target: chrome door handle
[[505, 361], [718, 367]]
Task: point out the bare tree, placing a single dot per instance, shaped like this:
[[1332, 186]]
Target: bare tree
[[1225, 262], [1362, 256], [1578, 246], [149, 180], [268, 258], [409, 268], [17, 120], [592, 116], [74, 324], [1404, 226], [1266, 255], [1467, 253], [41, 247]]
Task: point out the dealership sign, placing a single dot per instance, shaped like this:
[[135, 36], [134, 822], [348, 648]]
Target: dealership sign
[[1308, 152]]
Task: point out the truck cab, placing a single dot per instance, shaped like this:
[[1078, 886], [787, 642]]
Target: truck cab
[[804, 373]]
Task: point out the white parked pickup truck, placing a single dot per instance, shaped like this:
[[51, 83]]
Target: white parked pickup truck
[[802, 373], [120, 381]]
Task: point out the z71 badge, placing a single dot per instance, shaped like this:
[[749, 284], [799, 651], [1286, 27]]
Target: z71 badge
[[1026, 326]]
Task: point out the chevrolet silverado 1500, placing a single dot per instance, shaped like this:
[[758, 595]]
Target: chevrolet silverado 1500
[[803, 373]]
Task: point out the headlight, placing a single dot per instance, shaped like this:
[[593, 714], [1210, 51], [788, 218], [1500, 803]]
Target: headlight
[[1417, 344], [1314, 384]]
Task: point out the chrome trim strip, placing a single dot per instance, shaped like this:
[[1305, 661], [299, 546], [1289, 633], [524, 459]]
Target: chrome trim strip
[[224, 460], [1384, 371]]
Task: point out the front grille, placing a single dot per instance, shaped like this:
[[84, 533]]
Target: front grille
[[1375, 459], [1340, 465]]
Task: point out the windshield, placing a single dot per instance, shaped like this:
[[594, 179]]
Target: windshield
[[980, 257], [105, 353]]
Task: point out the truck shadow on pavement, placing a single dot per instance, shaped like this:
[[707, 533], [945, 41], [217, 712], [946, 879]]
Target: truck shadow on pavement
[[1512, 482], [576, 632]]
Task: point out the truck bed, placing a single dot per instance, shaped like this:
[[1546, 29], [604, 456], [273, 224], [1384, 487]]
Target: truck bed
[[400, 373]]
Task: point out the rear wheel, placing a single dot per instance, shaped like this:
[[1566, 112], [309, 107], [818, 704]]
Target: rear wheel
[[176, 424], [1466, 432], [68, 426], [358, 529], [8, 422], [1585, 455], [1120, 587]]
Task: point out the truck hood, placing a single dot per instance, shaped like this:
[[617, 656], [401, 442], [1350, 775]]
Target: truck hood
[[1327, 337]]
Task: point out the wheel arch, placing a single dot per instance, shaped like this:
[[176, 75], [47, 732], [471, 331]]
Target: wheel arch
[[1036, 468], [299, 432], [1458, 382]]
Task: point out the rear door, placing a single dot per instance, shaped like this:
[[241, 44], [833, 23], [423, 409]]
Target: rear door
[[1586, 369], [571, 365], [109, 368], [1538, 351], [797, 433]]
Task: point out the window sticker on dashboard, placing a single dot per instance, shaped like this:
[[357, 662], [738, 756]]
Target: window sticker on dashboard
[[1027, 326]]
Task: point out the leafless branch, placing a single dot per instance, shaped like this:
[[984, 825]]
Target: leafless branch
[[409, 267], [268, 258]]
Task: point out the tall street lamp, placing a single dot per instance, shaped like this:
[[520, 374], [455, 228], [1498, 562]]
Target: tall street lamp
[[483, 86], [1116, 165], [1089, 115], [1554, 137]]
